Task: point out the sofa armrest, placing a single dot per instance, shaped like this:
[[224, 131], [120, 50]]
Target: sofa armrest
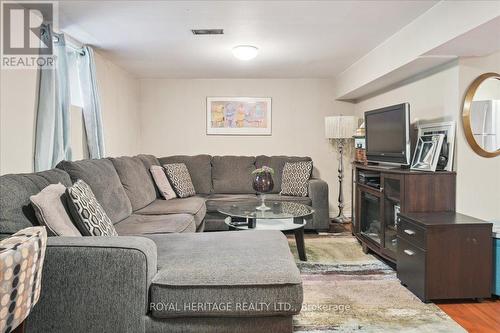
[[95, 284], [318, 192]]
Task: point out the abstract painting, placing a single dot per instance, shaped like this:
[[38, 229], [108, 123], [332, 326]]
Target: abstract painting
[[239, 115]]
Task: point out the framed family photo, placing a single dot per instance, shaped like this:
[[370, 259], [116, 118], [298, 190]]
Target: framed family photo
[[239, 116]]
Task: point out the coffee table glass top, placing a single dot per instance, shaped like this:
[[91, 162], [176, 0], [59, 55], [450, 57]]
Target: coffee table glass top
[[280, 215], [277, 210]]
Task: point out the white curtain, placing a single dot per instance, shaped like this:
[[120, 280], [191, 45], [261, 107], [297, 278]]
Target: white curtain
[[91, 104], [52, 137]]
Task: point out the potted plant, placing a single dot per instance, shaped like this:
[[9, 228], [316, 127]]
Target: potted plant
[[263, 183]]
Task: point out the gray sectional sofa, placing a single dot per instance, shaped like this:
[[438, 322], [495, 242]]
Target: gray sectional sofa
[[160, 275]]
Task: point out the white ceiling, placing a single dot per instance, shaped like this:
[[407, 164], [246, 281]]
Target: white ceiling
[[297, 39]]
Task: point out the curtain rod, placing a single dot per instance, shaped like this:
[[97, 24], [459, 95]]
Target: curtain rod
[[78, 50]]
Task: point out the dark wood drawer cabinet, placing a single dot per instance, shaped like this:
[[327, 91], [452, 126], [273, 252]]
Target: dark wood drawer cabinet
[[411, 233], [444, 255], [411, 266]]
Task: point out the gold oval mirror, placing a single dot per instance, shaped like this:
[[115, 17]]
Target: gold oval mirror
[[481, 115]]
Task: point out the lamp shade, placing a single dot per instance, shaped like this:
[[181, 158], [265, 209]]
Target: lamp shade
[[340, 127]]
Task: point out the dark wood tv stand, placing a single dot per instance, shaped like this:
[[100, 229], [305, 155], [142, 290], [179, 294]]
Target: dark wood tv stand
[[374, 216], [439, 254]]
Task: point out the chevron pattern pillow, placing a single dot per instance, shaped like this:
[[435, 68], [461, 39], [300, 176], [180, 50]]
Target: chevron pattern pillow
[[88, 215], [180, 179], [295, 178]]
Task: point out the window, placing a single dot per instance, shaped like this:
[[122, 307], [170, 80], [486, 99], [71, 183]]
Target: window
[[78, 138], [74, 77]]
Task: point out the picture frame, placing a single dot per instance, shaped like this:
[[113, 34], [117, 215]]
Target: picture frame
[[427, 152], [239, 116], [448, 129]]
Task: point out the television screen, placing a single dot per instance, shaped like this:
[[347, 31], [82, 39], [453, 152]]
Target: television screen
[[387, 134]]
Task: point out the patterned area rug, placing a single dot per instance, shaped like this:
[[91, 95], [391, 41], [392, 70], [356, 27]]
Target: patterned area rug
[[346, 290]]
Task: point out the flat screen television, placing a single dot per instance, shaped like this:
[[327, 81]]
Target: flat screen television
[[388, 134]]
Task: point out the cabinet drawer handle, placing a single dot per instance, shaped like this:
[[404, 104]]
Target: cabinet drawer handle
[[409, 252], [409, 232]]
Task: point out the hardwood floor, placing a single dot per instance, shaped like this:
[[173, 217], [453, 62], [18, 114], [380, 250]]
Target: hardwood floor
[[473, 316]]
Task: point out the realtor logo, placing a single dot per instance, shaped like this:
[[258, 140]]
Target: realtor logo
[[26, 33]]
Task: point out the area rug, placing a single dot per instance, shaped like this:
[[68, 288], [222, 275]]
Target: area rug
[[346, 290]]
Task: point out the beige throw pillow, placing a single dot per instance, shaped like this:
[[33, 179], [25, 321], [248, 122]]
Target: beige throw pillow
[[49, 205], [162, 182]]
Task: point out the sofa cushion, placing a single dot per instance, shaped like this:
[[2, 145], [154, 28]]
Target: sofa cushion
[[193, 205], [199, 269], [295, 178], [51, 210], [16, 212], [136, 181], [156, 224], [149, 161], [277, 163], [88, 215], [199, 167], [233, 174], [179, 177], [214, 201], [102, 178]]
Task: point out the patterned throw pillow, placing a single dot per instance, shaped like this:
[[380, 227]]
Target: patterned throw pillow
[[88, 215], [295, 178], [21, 263], [161, 182], [180, 179]]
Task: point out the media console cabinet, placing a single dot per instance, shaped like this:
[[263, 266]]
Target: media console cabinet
[[381, 193], [408, 217]]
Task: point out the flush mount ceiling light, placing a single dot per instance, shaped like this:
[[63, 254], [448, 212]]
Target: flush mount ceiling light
[[245, 52]]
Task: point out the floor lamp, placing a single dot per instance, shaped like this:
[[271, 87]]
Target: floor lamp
[[340, 130]]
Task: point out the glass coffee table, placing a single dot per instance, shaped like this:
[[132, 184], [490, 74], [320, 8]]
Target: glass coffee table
[[281, 215]]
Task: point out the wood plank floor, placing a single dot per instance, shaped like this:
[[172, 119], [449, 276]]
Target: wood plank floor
[[473, 316]]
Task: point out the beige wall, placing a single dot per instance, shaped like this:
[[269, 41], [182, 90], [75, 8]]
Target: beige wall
[[120, 108], [173, 113], [17, 119], [439, 96], [119, 101]]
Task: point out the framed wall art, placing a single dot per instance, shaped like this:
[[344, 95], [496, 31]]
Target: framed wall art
[[239, 116]]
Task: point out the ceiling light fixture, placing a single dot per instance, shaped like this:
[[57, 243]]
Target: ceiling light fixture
[[245, 52]]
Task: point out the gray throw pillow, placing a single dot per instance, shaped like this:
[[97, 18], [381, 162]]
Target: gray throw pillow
[[295, 178], [161, 182], [50, 210], [89, 216], [180, 179]]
